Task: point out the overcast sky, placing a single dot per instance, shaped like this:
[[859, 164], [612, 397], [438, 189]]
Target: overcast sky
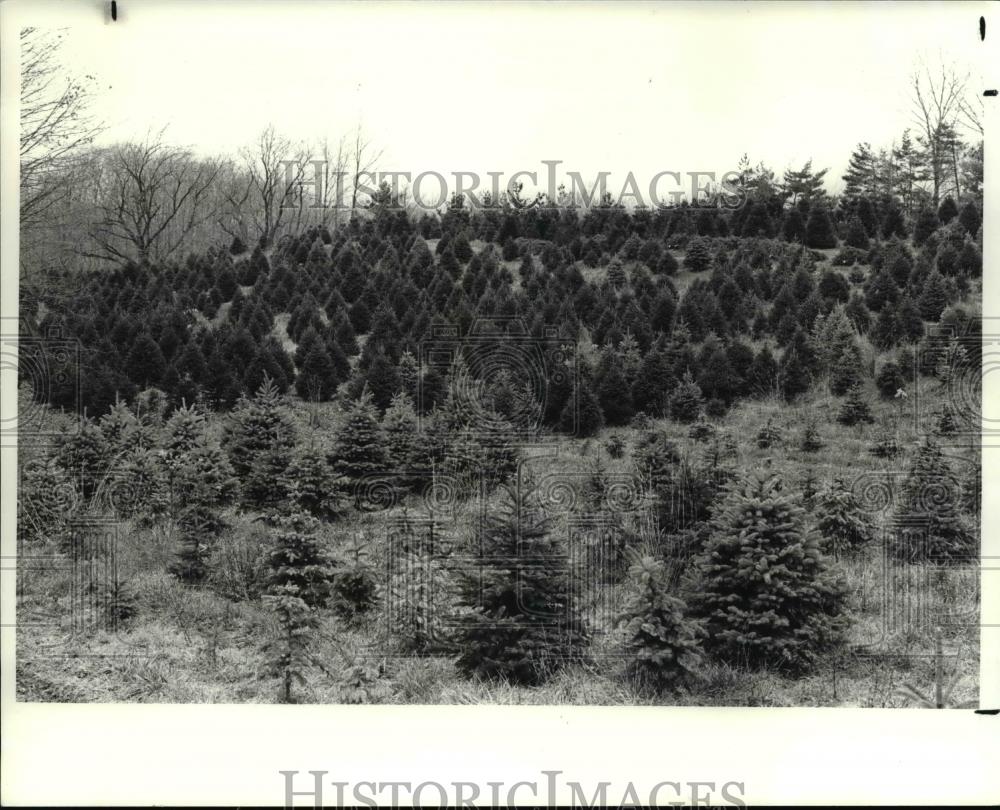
[[641, 87]]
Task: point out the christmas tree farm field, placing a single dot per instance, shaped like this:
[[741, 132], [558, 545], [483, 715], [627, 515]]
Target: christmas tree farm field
[[713, 562]]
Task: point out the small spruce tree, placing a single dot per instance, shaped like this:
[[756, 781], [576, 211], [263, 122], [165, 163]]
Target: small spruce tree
[[840, 520], [855, 408], [930, 520], [662, 642], [766, 592], [686, 402], [521, 624]]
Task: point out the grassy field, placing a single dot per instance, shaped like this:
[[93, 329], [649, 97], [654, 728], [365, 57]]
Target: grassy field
[[196, 645]]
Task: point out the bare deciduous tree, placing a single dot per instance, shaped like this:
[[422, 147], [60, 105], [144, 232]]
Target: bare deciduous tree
[[939, 101], [55, 124], [265, 192], [152, 197], [364, 158]]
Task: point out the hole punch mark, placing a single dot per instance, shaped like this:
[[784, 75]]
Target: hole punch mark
[[982, 29], [114, 12], [990, 93]]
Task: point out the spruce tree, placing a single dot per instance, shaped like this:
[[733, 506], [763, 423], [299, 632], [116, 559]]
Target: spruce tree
[[856, 236], [947, 211], [402, 442], [311, 485], [768, 436], [259, 440], [926, 223], [934, 297], [855, 408], [522, 624], [299, 564], [819, 229], [765, 591], [685, 403], [970, 218], [893, 222], [810, 441], [317, 378], [890, 379], [355, 586], [288, 655], [931, 524], [840, 520], [582, 416], [84, 457], [197, 470], [793, 375], [199, 526], [698, 257], [663, 644], [359, 450]]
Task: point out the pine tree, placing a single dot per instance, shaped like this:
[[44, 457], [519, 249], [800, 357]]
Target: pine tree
[[298, 564], [893, 223], [662, 642], [382, 381], [793, 375], [288, 655], [197, 471], [616, 274], [819, 228], [84, 457], [934, 297], [856, 236], [764, 373], [970, 218], [259, 441], [794, 227], [948, 211], [613, 390], [861, 175], [686, 402], [768, 436], [765, 591], [145, 364], [317, 378], [402, 442], [889, 380], [881, 289], [841, 521], [698, 257], [199, 526], [523, 624], [311, 485], [359, 450], [355, 586], [811, 442], [887, 330], [855, 408], [926, 223], [582, 416], [931, 525]]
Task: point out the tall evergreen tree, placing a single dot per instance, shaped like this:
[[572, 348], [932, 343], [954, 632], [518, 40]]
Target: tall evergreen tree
[[819, 228], [359, 449], [523, 624], [766, 592], [663, 643], [931, 525], [259, 441]]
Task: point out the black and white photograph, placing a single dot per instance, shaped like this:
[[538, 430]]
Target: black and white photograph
[[619, 355]]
